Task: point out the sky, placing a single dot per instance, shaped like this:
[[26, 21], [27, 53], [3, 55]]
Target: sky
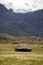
[[23, 5]]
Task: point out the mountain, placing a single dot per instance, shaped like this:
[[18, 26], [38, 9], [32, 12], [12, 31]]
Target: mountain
[[21, 24]]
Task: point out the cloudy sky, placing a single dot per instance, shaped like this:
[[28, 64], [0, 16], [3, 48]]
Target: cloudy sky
[[23, 5]]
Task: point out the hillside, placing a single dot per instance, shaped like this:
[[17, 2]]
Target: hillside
[[21, 24], [9, 39]]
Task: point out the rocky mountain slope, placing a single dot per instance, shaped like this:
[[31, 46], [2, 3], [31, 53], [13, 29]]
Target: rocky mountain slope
[[21, 24]]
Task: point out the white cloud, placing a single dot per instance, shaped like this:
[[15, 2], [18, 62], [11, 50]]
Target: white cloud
[[23, 5]]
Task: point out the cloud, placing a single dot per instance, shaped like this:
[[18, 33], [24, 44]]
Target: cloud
[[23, 5]]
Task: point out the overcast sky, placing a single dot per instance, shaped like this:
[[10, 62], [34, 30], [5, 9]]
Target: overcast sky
[[23, 5]]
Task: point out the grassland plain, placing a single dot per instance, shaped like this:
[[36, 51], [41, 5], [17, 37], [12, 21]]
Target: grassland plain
[[8, 55]]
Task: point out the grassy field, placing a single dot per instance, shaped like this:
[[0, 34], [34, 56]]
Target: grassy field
[[8, 55]]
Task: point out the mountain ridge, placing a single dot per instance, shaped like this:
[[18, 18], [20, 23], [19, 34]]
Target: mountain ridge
[[21, 24]]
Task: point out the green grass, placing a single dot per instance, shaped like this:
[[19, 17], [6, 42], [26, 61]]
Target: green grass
[[8, 56], [14, 61], [10, 48], [37, 48]]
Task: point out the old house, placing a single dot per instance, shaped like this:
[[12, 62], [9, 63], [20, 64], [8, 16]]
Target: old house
[[23, 48]]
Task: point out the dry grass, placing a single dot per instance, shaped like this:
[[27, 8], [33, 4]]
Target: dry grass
[[8, 56]]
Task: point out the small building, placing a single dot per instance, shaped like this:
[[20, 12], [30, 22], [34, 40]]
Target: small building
[[23, 48]]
